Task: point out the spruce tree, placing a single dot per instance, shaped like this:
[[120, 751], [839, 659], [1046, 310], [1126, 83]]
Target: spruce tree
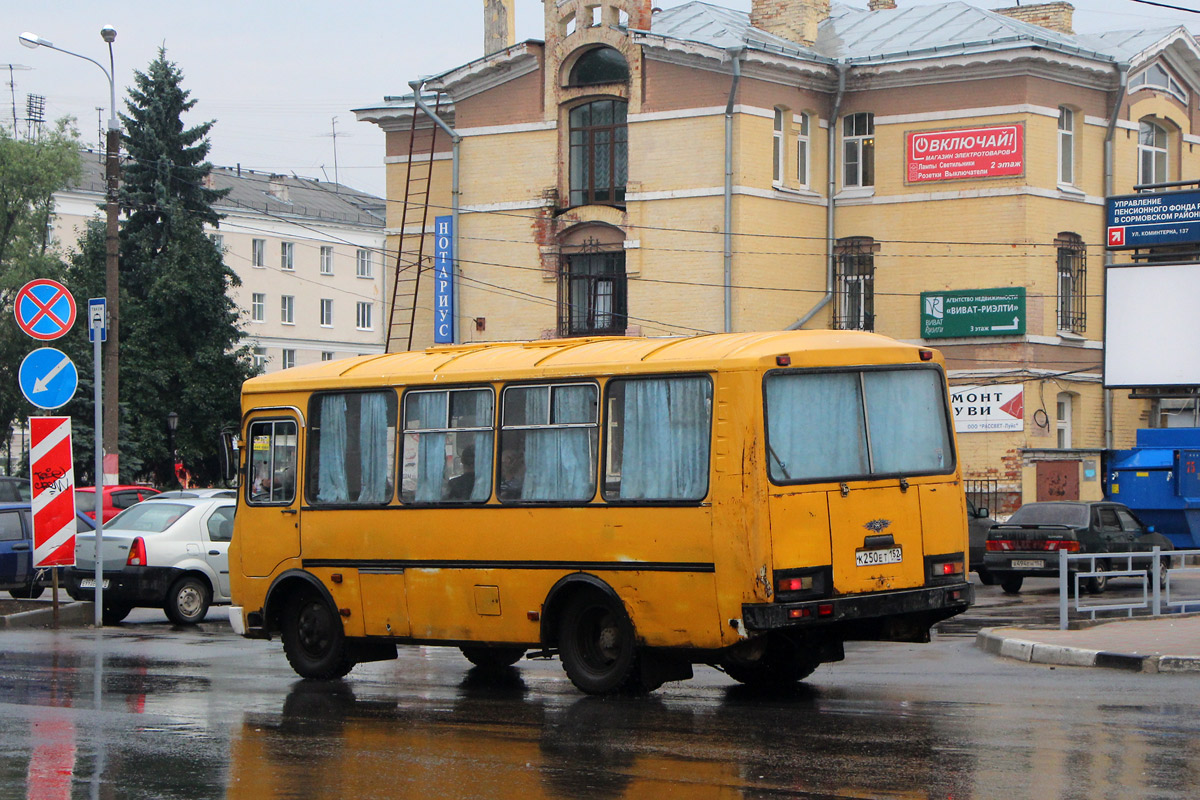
[[180, 334]]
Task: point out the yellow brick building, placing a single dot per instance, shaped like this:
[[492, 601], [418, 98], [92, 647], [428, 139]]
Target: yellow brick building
[[700, 169]]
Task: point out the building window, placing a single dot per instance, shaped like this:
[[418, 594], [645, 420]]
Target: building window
[[1064, 420], [1072, 283], [854, 276], [326, 313], [592, 293], [287, 310], [326, 260], [289, 359], [599, 153], [1155, 77], [363, 268], [1152, 153], [327, 355], [258, 252], [362, 317], [858, 149], [777, 152], [260, 358], [219, 243], [599, 65], [802, 149], [287, 254], [258, 307], [1066, 146]]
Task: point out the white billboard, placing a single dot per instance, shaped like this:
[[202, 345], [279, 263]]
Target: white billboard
[[1152, 326], [988, 409]]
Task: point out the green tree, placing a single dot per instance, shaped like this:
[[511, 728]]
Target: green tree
[[180, 337], [31, 171]]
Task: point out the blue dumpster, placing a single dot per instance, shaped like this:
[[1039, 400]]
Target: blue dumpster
[[1160, 480]]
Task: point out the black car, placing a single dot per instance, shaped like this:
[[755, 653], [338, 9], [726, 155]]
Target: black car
[[978, 525], [14, 490], [1028, 544]]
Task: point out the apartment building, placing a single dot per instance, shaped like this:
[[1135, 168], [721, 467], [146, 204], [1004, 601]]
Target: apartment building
[[310, 255]]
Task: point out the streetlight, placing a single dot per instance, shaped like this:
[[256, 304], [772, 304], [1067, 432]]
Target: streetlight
[[112, 179], [172, 425]]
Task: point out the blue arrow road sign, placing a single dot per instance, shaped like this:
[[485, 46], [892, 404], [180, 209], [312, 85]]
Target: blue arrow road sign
[[48, 378]]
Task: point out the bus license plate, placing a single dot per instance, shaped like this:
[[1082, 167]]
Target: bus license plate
[[870, 558], [1028, 563], [90, 583]]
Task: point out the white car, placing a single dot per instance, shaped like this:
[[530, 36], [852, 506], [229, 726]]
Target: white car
[[170, 554]]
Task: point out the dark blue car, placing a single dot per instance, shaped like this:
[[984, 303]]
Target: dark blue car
[[17, 574]]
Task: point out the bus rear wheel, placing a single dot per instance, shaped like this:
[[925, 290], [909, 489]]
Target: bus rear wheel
[[313, 638], [782, 663], [493, 658], [596, 644]]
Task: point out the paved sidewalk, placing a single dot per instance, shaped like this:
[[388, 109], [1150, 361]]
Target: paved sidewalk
[[1149, 644]]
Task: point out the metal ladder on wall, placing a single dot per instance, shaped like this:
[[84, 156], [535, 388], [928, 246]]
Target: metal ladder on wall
[[410, 255]]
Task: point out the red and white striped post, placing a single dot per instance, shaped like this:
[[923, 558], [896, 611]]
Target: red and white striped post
[[52, 479]]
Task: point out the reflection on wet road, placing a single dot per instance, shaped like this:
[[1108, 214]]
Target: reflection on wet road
[[149, 711]]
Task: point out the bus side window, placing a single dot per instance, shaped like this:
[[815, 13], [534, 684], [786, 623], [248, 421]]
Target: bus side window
[[548, 443], [272, 463], [448, 444], [351, 448], [659, 434]]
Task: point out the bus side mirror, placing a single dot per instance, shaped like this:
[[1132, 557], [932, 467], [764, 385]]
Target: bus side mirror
[[229, 458]]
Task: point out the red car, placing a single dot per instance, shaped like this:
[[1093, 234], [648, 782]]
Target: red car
[[116, 499]]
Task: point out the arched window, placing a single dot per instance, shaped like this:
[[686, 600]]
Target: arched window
[[1152, 153], [599, 65], [1156, 77], [599, 153], [592, 287]]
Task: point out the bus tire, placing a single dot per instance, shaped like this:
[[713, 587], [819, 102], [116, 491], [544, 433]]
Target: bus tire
[[188, 600], [314, 639], [596, 643], [781, 664], [493, 659]]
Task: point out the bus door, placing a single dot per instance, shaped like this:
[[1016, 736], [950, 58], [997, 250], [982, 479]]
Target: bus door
[[877, 539], [272, 499]]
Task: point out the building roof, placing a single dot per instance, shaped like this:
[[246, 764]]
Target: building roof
[[291, 197]]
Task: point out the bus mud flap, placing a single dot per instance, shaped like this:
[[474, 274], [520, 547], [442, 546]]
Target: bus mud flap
[[364, 650]]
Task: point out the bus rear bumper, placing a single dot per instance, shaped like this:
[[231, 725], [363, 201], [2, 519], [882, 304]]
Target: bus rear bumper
[[932, 603]]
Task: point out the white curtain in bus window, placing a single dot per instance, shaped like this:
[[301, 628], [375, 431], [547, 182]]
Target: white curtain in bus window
[[907, 421], [815, 426], [448, 446], [548, 445], [352, 438], [664, 426]]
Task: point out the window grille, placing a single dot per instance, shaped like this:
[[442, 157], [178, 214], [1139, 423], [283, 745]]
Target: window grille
[[592, 292], [854, 284], [1072, 283]]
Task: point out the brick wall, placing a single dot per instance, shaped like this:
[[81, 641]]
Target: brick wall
[[1055, 16]]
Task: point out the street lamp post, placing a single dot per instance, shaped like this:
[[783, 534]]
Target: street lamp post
[[112, 180], [172, 425]]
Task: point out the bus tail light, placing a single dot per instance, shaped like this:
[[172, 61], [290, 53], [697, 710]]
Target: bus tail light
[[810, 583], [825, 610], [137, 553], [801, 584], [948, 568]]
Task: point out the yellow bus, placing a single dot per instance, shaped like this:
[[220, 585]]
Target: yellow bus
[[634, 506]]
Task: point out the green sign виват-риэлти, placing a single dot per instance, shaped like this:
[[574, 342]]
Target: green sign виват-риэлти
[[974, 312]]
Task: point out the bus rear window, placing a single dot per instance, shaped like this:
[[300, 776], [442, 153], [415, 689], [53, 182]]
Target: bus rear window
[[827, 425]]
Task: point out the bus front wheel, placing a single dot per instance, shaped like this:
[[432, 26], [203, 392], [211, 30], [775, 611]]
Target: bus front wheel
[[313, 638], [596, 644]]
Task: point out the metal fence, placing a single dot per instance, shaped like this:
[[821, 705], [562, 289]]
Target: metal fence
[[983, 492], [1155, 569]]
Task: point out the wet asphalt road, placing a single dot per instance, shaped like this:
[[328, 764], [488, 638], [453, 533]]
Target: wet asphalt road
[[146, 710]]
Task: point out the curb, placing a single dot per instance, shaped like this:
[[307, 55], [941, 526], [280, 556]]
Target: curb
[[70, 615], [1060, 655]]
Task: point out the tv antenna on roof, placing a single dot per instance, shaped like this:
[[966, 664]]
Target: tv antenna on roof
[[334, 135]]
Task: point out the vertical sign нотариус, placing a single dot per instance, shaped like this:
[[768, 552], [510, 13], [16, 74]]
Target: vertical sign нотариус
[[443, 280]]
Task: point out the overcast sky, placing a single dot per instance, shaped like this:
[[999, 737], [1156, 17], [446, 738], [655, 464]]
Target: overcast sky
[[275, 74]]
